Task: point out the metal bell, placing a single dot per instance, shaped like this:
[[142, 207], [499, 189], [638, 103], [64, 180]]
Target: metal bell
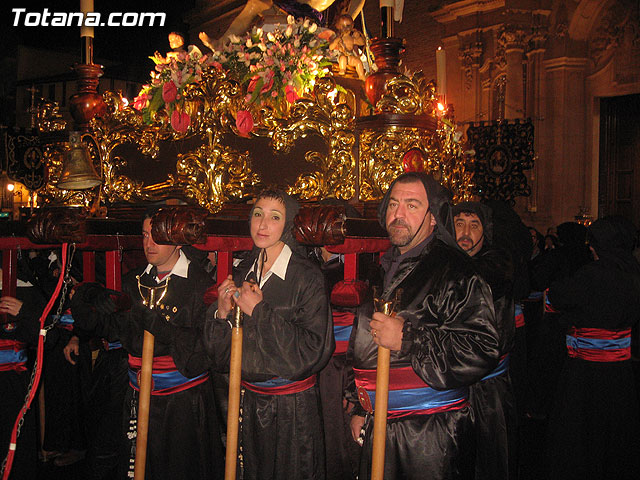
[[78, 172]]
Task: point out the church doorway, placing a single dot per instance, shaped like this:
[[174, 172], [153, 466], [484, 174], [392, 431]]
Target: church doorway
[[619, 176]]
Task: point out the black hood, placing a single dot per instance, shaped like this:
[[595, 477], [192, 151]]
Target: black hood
[[439, 204], [482, 211], [291, 208]]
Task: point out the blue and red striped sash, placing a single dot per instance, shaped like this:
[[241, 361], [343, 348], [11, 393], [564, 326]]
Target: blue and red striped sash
[[107, 345], [13, 355], [280, 386], [548, 308], [408, 394], [342, 327], [166, 377], [519, 315], [503, 366], [599, 345], [65, 321]]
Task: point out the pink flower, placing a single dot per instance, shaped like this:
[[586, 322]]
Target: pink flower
[[169, 92], [268, 81], [274, 94], [141, 101], [290, 94], [217, 65], [180, 121], [252, 83], [244, 122]]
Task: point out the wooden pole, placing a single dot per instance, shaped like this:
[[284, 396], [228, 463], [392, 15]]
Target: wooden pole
[[233, 411], [380, 414], [144, 402]]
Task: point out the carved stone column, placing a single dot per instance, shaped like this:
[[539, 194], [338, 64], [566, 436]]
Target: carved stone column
[[514, 42], [471, 59], [534, 105]]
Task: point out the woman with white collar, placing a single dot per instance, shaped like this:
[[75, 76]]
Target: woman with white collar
[[288, 338]]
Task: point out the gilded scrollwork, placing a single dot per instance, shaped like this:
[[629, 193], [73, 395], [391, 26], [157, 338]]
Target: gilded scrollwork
[[213, 174], [409, 95], [328, 116]]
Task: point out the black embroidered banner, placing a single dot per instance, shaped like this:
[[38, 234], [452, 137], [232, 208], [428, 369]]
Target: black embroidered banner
[[503, 150], [24, 158]]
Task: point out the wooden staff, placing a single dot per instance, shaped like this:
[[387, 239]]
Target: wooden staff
[[144, 401], [382, 395], [380, 414], [233, 411]]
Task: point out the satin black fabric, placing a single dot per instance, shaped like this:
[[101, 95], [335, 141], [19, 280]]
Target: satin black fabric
[[450, 339], [184, 434], [289, 335], [492, 400]]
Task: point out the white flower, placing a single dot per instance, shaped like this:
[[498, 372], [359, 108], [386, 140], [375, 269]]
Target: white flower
[[249, 43], [288, 31], [262, 47], [234, 38], [291, 20], [306, 23], [259, 32], [271, 37], [194, 51], [313, 28]]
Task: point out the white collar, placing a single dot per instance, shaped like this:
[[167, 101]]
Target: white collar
[[181, 267], [279, 267]]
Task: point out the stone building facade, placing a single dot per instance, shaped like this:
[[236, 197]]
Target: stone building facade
[[570, 66]]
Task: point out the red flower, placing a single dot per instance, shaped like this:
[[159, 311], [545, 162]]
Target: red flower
[[252, 83], [244, 122], [268, 82], [180, 121], [291, 94], [169, 92], [141, 101]]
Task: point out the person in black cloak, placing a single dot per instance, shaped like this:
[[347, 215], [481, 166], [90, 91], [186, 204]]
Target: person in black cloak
[[18, 333], [184, 435], [287, 340], [443, 339], [491, 398], [594, 424]]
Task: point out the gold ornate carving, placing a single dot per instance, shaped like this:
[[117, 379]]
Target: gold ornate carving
[[208, 176], [213, 174], [50, 118], [410, 123], [330, 116]]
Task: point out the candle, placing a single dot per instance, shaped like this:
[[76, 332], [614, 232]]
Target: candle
[[386, 18], [441, 72], [86, 6]]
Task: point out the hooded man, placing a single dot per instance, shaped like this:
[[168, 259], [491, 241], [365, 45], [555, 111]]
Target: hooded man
[[492, 397], [442, 339], [593, 426]]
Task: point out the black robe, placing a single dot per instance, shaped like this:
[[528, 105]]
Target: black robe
[[23, 334], [288, 335], [450, 340], [492, 398], [184, 434], [594, 425]]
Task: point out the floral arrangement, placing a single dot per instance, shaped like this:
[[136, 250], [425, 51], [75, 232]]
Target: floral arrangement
[[274, 66], [172, 74], [271, 67]]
